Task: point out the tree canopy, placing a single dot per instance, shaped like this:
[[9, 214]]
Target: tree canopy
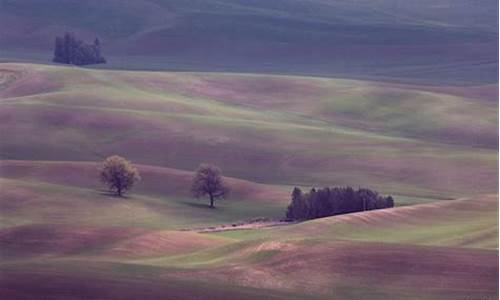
[[69, 50], [208, 182], [118, 174], [333, 201]]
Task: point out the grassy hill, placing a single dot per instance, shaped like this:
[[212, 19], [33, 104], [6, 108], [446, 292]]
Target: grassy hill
[[394, 95], [270, 129], [62, 230], [59, 228], [470, 223], [69, 193], [91, 246], [452, 42]]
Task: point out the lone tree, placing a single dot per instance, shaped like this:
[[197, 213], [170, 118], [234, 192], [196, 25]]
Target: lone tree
[[208, 182], [119, 174]]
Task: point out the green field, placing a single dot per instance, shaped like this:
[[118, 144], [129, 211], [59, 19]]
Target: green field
[[268, 129], [396, 96], [434, 148]]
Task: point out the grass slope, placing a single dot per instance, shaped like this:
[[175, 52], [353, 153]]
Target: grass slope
[[32, 200], [442, 250], [92, 246], [273, 129], [368, 255], [430, 41], [470, 223], [102, 280], [60, 229]]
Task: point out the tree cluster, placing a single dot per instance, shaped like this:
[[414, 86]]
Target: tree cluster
[[69, 50], [334, 201]]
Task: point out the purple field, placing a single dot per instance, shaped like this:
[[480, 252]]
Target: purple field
[[396, 96]]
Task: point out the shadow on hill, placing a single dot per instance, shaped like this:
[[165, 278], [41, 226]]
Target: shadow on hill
[[111, 194], [200, 205]]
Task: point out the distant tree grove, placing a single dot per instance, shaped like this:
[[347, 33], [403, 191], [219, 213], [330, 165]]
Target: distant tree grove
[[69, 50], [334, 201]]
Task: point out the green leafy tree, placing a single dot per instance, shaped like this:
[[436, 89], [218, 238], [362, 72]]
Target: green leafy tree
[[208, 182], [118, 174]]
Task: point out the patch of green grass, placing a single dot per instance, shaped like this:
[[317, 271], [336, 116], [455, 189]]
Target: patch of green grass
[[53, 203], [244, 234], [218, 256], [262, 255]]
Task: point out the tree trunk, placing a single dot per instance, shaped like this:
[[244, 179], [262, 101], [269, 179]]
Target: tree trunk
[[211, 201], [119, 191]]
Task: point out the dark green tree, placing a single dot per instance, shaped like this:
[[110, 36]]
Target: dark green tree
[[208, 182], [59, 51], [296, 209], [333, 201], [69, 50]]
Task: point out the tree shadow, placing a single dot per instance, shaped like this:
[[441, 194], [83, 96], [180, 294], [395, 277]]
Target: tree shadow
[[199, 205], [108, 193]]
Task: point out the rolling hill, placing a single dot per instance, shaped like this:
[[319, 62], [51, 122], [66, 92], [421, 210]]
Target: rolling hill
[[91, 246], [393, 95], [280, 130], [432, 42], [63, 236]]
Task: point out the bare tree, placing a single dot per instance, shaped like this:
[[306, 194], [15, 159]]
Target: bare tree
[[118, 174], [208, 182]]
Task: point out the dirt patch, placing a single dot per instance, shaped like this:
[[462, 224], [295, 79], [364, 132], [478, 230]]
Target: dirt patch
[[242, 225], [163, 242]]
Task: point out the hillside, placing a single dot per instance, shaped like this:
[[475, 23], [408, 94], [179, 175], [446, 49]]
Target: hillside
[[450, 42], [63, 230], [338, 254], [394, 97], [421, 144], [258, 128], [69, 194], [428, 251], [465, 223]]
